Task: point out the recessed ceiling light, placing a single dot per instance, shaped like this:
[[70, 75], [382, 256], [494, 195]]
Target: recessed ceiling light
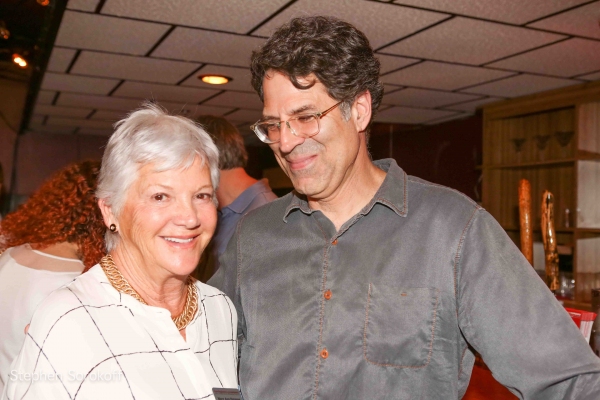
[[214, 79], [20, 61]]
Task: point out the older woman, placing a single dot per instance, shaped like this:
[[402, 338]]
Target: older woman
[[46, 243], [136, 326]]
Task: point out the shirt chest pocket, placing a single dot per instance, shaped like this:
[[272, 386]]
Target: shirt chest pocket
[[400, 326]]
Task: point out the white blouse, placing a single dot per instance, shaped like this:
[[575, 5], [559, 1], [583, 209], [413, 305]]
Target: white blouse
[[89, 341], [27, 276]]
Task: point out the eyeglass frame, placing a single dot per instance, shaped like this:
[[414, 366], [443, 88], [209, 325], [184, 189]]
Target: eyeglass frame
[[318, 116]]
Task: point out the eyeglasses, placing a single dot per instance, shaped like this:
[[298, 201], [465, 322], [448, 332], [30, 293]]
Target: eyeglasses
[[303, 125]]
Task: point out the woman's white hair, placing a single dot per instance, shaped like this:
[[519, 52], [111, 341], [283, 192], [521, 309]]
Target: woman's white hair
[[150, 135]]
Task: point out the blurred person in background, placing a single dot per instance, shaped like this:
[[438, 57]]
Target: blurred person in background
[[238, 192], [137, 325], [47, 242]]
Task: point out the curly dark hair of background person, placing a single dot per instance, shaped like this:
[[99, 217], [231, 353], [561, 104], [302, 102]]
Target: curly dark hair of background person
[[337, 53], [63, 209]]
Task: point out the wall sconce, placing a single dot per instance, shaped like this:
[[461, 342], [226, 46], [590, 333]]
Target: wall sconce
[[563, 137], [518, 143]]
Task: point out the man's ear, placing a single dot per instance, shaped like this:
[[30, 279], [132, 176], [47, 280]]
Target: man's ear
[[361, 110], [107, 214]]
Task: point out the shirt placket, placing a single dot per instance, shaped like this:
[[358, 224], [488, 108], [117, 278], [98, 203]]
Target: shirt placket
[[327, 291]]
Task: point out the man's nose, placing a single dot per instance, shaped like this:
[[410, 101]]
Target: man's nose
[[288, 139]]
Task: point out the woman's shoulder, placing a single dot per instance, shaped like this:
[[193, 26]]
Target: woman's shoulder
[[207, 290], [68, 302]]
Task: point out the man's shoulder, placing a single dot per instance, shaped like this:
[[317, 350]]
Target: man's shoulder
[[433, 198], [271, 209]]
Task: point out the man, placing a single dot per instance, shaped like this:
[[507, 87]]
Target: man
[[237, 192], [366, 283]]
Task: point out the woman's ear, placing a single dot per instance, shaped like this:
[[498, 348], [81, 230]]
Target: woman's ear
[[107, 214], [362, 111]]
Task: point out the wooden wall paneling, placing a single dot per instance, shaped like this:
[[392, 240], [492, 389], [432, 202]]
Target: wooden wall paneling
[[589, 127]]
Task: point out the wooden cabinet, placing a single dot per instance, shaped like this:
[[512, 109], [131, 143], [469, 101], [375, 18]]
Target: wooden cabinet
[[553, 140]]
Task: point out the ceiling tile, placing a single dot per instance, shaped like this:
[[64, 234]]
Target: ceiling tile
[[472, 105], [568, 58], [63, 130], [435, 75], [45, 97], [87, 123], [83, 5], [582, 21], [109, 115], [391, 88], [425, 98], [42, 109], [240, 76], [208, 47], [94, 132], [520, 85], [450, 118], [238, 16], [513, 11], [469, 41], [37, 119], [98, 102], [247, 116], [99, 32], [407, 115], [194, 110], [590, 77], [372, 18], [237, 99], [60, 59], [154, 91], [134, 68], [77, 84], [391, 63]]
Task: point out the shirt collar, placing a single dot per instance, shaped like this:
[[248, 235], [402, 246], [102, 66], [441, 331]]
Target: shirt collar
[[392, 193], [243, 201]]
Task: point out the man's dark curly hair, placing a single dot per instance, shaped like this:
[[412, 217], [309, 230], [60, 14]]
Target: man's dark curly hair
[[337, 53]]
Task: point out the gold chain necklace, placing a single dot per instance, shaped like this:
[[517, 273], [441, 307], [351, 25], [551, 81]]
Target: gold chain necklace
[[118, 281]]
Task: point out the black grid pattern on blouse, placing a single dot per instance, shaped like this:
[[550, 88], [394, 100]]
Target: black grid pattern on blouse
[[116, 357]]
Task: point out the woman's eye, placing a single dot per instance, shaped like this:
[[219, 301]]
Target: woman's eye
[[204, 196], [159, 197]]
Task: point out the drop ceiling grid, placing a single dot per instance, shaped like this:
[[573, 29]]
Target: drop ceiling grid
[[159, 92], [469, 41], [425, 98], [220, 42], [581, 21], [565, 59], [99, 32], [509, 11]]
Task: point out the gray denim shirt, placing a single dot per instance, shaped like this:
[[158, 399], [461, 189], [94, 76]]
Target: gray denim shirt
[[397, 298]]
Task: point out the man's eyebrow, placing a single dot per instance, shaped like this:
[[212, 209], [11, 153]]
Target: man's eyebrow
[[296, 111]]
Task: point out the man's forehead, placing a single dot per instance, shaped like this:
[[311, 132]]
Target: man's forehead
[[280, 93]]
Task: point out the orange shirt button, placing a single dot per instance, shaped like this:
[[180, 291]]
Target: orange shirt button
[[327, 294], [324, 353], [334, 242]]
